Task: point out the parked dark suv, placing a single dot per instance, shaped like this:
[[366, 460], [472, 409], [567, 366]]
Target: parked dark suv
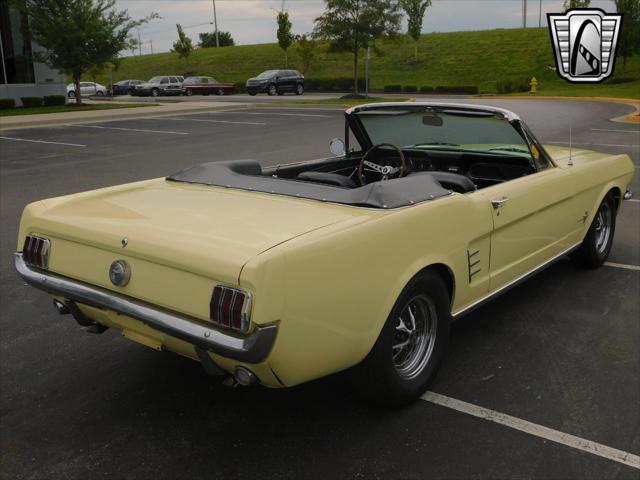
[[276, 82]]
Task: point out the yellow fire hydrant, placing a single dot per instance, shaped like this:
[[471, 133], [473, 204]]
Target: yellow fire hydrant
[[534, 85]]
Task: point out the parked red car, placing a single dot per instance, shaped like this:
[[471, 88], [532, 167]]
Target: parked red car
[[206, 86]]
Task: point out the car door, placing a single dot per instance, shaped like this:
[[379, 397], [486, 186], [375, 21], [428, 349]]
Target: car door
[[86, 89], [533, 222]]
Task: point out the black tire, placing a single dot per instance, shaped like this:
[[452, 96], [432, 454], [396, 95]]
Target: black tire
[[188, 92], [100, 93], [155, 92], [220, 92], [272, 90], [383, 378], [299, 89], [253, 94], [596, 246], [71, 94]]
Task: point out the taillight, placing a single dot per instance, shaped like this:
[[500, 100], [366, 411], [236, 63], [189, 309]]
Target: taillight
[[230, 307], [36, 251]]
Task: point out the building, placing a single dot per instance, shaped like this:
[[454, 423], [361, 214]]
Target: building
[[20, 76]]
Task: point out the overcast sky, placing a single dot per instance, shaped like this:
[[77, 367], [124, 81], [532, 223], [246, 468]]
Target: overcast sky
[[253, 21]]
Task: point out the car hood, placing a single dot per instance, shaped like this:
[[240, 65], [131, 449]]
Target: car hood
[[211, 231]]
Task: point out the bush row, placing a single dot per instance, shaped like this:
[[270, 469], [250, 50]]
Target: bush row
[[511, 85], [28, 102], [457, 89]]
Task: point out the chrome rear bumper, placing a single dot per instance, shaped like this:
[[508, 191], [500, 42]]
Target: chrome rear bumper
[[253, 348]]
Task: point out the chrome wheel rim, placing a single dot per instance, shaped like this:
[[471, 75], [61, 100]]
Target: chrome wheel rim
[[414, 337], [604, 221]]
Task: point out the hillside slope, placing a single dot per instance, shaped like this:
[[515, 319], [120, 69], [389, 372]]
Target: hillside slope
[[458, 58]]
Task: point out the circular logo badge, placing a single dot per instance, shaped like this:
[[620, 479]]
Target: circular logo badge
[[119, 273]]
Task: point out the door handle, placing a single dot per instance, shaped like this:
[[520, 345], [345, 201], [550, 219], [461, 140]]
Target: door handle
[[496, 203]]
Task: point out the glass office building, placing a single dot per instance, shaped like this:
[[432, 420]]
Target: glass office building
[[20, 76]]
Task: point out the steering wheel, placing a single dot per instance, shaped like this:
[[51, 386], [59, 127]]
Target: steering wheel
[[386, 171]]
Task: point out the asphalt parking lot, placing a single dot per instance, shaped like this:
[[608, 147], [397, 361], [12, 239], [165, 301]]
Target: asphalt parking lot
[[560, 351]]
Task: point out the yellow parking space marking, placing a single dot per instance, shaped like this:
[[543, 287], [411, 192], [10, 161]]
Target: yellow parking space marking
[[536, 430]]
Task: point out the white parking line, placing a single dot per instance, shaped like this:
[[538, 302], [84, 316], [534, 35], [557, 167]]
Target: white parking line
[[536, 430], [633, 200], [126, 129], [637, 132], [42, 141], [269, 113], [622, 265], [210, 121]]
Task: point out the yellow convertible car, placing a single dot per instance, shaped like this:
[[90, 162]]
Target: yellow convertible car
[[360, 261]]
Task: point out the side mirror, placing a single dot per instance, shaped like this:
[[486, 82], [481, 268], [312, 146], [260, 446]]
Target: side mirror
[[337, 147]]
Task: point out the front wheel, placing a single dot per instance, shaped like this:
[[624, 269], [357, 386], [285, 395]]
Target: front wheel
[[220, 92], [596, 246], [408, 352], [71, 94], [155, 92], [299, 89], [100, 93], [272, 90], [188, 92]]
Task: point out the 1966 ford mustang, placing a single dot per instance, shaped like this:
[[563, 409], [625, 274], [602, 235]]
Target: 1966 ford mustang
[[360, 261]]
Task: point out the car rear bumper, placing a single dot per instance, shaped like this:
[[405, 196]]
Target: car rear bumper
[[253, 348]]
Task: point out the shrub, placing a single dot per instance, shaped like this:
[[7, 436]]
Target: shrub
[[28, 102], [426, 89], [6, 103], [458, 89], [54, 100], [613, 81], [392, 88], [410, 89], [510, 85]]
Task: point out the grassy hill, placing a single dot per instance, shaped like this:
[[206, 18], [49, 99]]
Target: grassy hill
[[459, 58]]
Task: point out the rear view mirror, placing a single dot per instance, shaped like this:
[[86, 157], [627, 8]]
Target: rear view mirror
[[337, 147], [432, 120]]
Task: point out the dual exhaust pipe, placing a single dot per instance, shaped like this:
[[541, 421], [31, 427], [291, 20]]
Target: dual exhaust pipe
[[241, 376]]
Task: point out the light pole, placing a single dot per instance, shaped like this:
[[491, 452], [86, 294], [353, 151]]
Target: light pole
[[524, 13], [215, 23], [540, 15]]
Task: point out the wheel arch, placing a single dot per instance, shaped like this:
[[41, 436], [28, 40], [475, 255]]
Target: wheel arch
[[445, 273]]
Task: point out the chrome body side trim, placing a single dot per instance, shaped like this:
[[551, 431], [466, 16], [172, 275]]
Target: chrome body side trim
[[253, 348], [628, 194], [514, 283]]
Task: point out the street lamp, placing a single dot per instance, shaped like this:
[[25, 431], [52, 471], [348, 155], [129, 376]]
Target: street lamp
[[215, 23]]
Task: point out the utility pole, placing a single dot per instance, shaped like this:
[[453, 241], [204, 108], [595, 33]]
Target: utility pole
[[151, 43], [139, 44], [524, 13], [366, 73], [215, 23], [540, 15]]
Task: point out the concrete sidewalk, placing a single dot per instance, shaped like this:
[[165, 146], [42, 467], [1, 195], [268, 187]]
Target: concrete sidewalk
[[52, 119]]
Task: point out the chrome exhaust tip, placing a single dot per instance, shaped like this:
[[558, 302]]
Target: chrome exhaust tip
[[61, 308], [244, 377]]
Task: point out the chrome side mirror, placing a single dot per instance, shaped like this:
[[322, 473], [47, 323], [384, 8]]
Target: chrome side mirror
[[337, 147]]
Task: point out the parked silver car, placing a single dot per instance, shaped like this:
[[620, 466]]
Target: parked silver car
[[161, 85], [87, 89]]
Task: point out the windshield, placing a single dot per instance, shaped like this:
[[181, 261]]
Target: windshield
[[267, 74], [443, 130]]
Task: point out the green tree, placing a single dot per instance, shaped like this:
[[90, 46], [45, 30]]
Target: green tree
[[351, 25], [79, 35], [285, 37], [415, 10], [306, 48], [576, 4], [629, 39], [208, 39], [183, 46]]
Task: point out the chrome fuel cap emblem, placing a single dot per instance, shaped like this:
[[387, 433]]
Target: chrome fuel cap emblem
[[124, 242], [119, 273]]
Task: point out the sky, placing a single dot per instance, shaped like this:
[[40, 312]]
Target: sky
[[253, 21]]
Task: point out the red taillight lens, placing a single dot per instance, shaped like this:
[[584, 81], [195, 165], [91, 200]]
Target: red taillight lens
[[230, 307], [36, 251]]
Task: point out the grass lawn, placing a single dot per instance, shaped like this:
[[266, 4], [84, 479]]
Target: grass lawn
[[11, 112], [478, 58]]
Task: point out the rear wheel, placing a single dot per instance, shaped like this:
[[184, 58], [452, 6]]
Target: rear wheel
[[597, 244], [220, 92], [188, 92], [253, 94], [408, 352], [155, 92]]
